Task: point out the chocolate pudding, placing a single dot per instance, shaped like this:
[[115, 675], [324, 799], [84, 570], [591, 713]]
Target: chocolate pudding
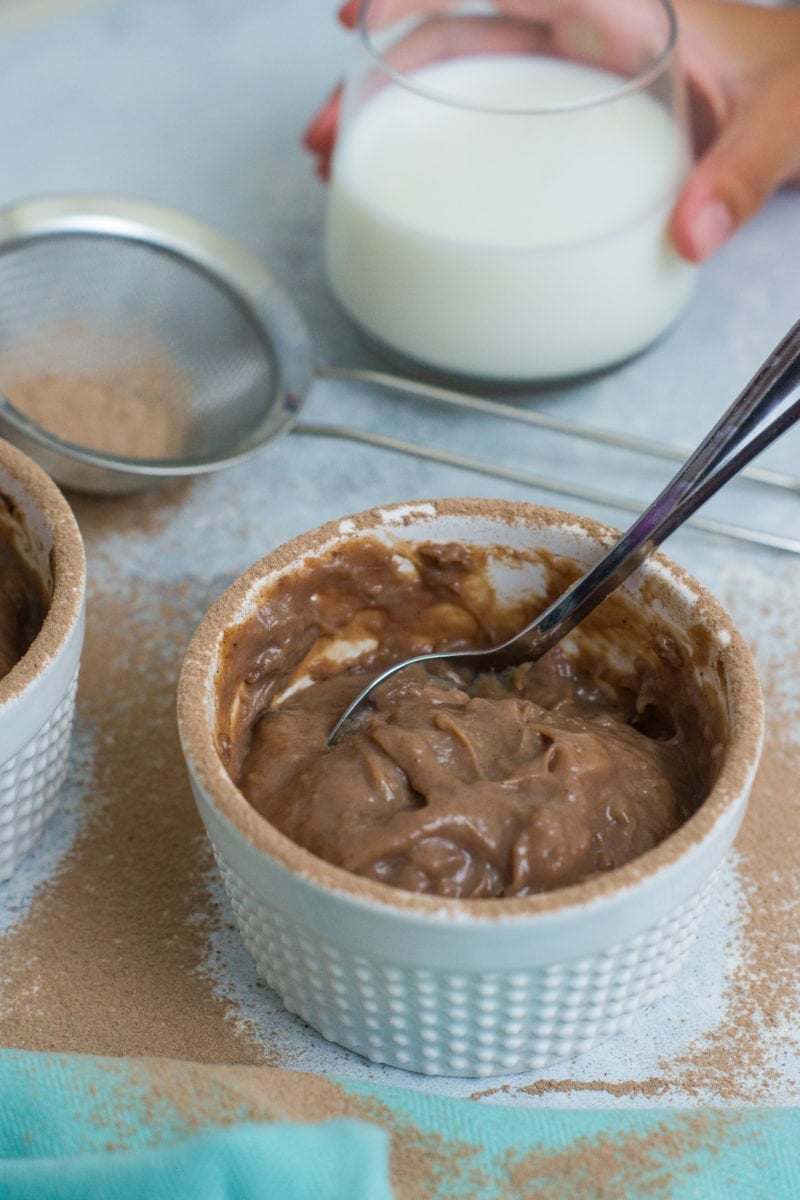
[[23, 602], [456, 783]]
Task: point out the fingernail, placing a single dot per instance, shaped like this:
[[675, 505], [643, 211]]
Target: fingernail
[[348, 13], [712, 226]]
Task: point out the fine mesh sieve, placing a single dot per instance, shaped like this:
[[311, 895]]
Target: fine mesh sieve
[[139, 345]]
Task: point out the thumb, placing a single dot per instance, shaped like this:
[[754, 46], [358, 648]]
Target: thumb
[[757, 151]]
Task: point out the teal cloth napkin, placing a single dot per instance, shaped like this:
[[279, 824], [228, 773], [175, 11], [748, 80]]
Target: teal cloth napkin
[[82, 1128], [336, 1160]]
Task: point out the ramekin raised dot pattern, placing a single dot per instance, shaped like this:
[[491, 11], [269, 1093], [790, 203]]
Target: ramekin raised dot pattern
[[30, 783], [463, 1023], [37, 696]]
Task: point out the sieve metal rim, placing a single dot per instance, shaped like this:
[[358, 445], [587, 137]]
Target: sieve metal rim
[[223, 261]]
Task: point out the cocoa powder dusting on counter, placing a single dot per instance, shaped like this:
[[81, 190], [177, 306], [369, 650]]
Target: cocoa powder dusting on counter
[[625, 1088], [107, 960], [149, 512], [645, 1163], [420, 1160], [737, 1062]]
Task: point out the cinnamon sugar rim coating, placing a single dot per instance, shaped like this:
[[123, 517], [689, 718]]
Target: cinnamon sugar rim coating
[[68, 565], [197, 697]]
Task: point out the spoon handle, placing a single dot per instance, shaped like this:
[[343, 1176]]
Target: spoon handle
[[736, 438]]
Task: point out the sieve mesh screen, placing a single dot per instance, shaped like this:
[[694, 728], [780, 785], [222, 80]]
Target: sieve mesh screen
[[98, 328]]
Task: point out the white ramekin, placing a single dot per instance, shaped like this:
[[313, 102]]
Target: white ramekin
[[470, 987], [37, 697]]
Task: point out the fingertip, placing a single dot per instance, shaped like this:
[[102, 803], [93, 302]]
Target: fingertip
[[699, 233], [709, 228], [679, 233], [702, 220], [348, 13]]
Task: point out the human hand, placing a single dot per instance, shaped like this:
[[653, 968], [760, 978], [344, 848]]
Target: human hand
[[530, 27], [741, 64]]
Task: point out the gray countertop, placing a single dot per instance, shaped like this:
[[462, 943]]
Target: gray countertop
[[200, 104]]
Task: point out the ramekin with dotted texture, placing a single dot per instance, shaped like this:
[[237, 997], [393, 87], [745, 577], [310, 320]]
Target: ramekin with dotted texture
[[37, 696], [472, 987]]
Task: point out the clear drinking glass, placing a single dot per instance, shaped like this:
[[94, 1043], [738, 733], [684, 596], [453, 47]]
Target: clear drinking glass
[[502, 183]]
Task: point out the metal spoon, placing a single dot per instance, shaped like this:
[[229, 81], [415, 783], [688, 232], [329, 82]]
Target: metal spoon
[[736, 438]]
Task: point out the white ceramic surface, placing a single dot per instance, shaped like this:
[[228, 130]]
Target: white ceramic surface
[[468, 987], [37, 697]]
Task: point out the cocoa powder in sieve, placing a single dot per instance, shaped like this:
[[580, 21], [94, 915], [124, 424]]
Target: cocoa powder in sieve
[[128, 417]]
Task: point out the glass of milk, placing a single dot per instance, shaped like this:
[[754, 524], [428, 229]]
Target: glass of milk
[[503, 180]]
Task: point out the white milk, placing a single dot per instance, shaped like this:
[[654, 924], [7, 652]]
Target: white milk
[[508, 244]]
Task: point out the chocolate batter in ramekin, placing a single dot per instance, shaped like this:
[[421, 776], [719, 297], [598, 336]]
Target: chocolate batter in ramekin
[[42, 590], [23, 600], [454, 784]]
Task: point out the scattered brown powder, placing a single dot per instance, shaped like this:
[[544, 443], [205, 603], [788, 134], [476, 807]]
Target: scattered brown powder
[[148, 512], [640, 1165], [645, 1163], [197, 1095], [419, 1160], [735, 1062], [627, 1088]]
